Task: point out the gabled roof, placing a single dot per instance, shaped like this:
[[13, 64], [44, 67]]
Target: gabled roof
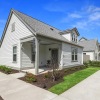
[[37, 27], [70, 31], [82, 38], [89, 45]]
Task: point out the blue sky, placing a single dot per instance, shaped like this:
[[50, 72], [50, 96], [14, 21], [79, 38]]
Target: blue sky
[[62, 14]]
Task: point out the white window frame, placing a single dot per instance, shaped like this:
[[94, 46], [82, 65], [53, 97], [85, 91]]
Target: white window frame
[[14, 53], [13, 27], [74, 37], [74, 54]]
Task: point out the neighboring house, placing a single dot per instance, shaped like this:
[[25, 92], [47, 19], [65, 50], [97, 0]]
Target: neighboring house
[[30, 43], [91, 49]]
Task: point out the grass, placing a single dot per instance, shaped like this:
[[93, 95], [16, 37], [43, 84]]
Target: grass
[[5, 69], [73, 79]]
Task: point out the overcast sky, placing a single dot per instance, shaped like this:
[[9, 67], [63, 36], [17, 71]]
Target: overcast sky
[[62, 14]]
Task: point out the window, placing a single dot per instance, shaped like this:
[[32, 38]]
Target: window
[[74, 37], [74, 54], [13, 27], [33, 54], [14, 53]]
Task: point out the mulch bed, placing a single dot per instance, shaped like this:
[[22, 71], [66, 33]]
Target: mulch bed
[[12, 71], [47, 83], [1, 98]]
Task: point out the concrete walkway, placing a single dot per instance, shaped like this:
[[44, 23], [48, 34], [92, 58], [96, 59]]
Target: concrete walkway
[[15, 89], [89, 89], [17, 75]]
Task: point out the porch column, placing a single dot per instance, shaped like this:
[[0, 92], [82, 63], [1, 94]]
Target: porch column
[[82, 58], [36, 56]]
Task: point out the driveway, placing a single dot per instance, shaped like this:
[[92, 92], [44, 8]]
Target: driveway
[[15, 89]]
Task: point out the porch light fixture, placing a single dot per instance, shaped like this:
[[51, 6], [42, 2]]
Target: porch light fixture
[[49, 49]]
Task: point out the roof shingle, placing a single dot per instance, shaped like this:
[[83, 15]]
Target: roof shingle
[[89, 45]]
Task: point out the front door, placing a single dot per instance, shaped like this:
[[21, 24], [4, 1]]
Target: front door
[[54, 55]]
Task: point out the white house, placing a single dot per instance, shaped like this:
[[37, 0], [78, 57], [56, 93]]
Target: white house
[[29, 43], [91, 48]]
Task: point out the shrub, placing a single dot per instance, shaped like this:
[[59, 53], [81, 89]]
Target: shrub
[[94, 63], [85, 64], [56, 75], [29, 77], [5, 69], [47, 75]]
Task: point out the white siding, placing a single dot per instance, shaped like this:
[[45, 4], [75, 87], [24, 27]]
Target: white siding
[[91, 54], [67, 36], [10, 39], [27, 55], [66, 55], [42, 55]]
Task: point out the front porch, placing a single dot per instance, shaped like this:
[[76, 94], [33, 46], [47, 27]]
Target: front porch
[[36, 54], [40, 70]]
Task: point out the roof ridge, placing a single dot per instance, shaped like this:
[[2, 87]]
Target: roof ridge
[[88, 40]]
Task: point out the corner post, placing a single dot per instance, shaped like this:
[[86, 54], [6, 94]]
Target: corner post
[[36, 56]]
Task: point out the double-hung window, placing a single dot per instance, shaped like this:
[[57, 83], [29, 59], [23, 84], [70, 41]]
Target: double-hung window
[[14, 53], [74, 37], [74, 54]]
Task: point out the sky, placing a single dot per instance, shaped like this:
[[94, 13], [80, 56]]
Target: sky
[[62, 14]]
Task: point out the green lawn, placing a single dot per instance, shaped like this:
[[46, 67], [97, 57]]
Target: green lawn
[[73, 79]]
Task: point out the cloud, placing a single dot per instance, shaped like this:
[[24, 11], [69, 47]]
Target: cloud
[[74, 15], [85, 19], [91, 9], [80, 24], [95, 16]]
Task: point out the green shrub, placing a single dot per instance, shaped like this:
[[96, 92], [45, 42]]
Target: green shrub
[[29, 77], [94, 63], [5, 69], [47, 75], [85, 64]]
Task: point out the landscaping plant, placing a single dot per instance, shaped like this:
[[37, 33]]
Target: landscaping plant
[[29, 77], [5, 69]]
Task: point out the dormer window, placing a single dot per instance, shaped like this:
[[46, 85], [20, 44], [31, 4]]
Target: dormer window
[[74, 37], [13, 27]]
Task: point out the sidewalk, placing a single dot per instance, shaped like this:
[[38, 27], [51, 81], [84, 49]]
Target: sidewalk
[[88, 89], [15, 89]]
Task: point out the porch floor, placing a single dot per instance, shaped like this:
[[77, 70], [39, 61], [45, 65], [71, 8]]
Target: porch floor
[[41, 70]]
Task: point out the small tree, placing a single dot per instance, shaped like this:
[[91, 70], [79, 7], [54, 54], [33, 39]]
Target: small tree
[[54, 65]]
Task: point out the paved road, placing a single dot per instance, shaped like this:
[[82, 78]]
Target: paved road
[[15, 89]]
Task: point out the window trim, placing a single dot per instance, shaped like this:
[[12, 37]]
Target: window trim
[[74, 48], [13, 27], [14, 54], [74, 37]]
